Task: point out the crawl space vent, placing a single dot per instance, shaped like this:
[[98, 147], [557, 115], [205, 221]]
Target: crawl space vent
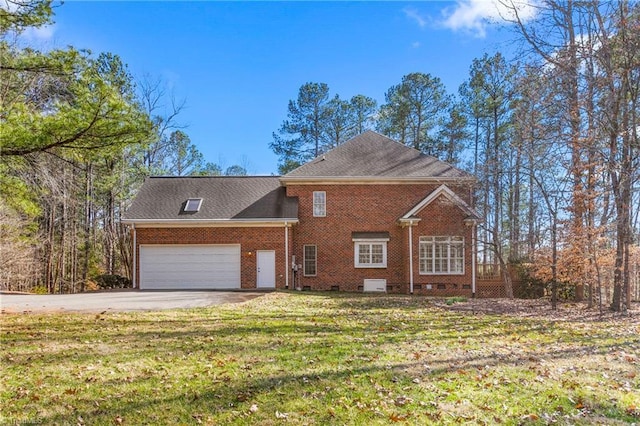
[[375, 285]]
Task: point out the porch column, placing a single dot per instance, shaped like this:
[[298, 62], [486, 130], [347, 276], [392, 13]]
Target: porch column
[[474, 259], [410, 222], [411, 256], [472, 222]]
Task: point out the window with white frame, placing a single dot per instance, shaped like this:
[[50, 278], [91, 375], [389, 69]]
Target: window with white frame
[[310, 260], [442, 255], [370, 254], [319, 203]]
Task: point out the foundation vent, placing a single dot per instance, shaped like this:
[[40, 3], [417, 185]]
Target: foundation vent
[[375, 285]]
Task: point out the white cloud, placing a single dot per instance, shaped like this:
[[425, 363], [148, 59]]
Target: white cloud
[[43, 33], [416, 44], [475, 15], [413, 14], [40, 34], [8, 6]]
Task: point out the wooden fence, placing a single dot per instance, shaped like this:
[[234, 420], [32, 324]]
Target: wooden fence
[[489, 281]]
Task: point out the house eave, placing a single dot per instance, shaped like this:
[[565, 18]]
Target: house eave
[[210, 223], [408, 221], [372, 180], [444, 191]]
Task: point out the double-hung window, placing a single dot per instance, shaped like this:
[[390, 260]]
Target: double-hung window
[[370, 254], [310, 264], [442, 255], [319, 203], [370, 249]]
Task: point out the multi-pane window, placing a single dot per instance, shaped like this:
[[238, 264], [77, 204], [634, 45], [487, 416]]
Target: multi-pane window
[[319, 203], [441, 255], [371, 254], [310, 261]]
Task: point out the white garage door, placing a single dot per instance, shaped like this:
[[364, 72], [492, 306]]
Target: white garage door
[[189, 267]]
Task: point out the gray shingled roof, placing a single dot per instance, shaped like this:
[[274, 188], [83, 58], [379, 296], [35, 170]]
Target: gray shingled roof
[[374, 155], [223, 197]]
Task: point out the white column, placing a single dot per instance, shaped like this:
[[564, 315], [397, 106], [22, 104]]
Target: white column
[[286, 255], [473, 260], [411, 257]]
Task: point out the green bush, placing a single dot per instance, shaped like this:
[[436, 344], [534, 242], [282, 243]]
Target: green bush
[[529, 287], [457, 299], [107, 281], [566, 291], [40, 289]]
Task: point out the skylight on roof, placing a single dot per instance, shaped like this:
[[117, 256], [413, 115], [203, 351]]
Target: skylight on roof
[[193, 205]]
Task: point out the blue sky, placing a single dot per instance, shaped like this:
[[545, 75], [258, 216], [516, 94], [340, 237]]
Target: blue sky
[[238, 64]]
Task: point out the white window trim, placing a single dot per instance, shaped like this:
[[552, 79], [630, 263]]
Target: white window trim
[[323, 203], [356, 253], [448, 255], [304, 260]]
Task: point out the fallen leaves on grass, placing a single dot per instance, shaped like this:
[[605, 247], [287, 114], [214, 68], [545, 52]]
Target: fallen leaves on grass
[[338, 358], [281, 416], [541, 308]]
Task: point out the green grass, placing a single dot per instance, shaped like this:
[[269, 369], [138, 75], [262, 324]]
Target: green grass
[[316, 359], [456, 299]]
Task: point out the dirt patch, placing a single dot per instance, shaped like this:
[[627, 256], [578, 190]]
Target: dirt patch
[[541, 308]]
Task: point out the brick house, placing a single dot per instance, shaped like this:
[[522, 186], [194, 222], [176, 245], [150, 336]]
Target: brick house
[[369, 215]]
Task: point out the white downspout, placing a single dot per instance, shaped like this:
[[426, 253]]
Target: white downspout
[[473, 261], [411, 257], [286, 255], [134, 274]]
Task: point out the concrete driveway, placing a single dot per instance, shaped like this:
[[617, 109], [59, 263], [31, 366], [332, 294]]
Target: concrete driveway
[[120, 301]]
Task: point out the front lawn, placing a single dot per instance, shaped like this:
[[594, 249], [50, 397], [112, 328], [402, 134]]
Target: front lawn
[[304, 358]]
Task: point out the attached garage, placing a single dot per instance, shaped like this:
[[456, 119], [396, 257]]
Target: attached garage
[[193, 267], [187, 233]]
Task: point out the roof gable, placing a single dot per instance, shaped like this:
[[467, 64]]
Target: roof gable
[[446, 192], [372, 155]]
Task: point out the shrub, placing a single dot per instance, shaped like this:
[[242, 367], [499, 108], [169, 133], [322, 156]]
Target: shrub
[[566, 291], [530, 287], [40, 289], [91, 285], [107, 281], [451, 300]]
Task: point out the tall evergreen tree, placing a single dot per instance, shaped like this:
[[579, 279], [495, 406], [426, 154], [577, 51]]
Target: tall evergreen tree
[[315, 123], [363, 110], [414, 111], [300, 136]]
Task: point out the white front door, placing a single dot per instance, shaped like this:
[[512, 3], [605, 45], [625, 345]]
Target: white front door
[[266, 260]]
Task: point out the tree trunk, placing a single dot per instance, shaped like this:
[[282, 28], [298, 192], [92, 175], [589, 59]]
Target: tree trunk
[[554, 260], [577, 166], [514, 252], [48, 250], [87, 226]]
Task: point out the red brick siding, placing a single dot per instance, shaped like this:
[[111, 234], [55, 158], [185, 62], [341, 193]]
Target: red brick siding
[[250, 240], [441, 218], [374, 208]]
